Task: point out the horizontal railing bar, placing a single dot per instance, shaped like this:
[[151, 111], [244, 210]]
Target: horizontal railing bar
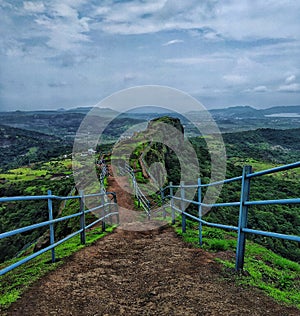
[[225, 204], [38, 225], [98, 207], [145, 207], [205, 222], [185, 200], [269, 202], [55, 197], [35, 226], [270, 234], [38, 253], [204, 185], [140, 192], [189, 186], [24, 198], [273, 170], [142, 199], [97, 194], [142, 196], [46, 197], [251, 175], [207, 205], [221, 182], [42, 224], [100, 219]]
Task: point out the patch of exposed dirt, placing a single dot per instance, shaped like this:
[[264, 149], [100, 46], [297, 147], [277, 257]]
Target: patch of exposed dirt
[[130, 219], [132, 273], [127, 214], [142, 268]]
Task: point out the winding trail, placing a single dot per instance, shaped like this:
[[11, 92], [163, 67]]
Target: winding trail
[[142, 269]]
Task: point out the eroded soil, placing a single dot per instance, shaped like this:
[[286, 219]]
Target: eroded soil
[[142, 273], [142, 269]]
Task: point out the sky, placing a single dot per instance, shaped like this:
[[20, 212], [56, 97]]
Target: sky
[[71, 53]]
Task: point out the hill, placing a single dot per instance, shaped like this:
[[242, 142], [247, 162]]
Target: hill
[[65, 123], [243, 118], [282, 109], [61, 124], [22, 147], [270, 145], [263, 149]]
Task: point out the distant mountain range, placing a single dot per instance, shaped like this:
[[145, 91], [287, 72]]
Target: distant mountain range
[[28, 136], [249, 112], [65, 123]]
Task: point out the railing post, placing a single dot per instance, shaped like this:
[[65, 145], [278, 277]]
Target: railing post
[[116, 208], [82, 218], [182, 207], [163, 202], [135, 192], [172, 203], [103, 211], [200, 211], [243, 216], [139, 202], [149, 210], [51, 226], [108, 209]]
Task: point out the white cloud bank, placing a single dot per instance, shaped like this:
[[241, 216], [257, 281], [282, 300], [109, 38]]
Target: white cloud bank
[[216, 49]]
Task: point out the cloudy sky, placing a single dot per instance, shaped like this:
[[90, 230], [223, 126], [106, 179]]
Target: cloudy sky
[[69, 53]]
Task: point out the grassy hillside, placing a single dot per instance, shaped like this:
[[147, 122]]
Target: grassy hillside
[[55, 175], [268, 145], [21, 147], [263, 149], [277, 276]]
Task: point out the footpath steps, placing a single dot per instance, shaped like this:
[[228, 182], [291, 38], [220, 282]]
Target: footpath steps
[[146, 272]]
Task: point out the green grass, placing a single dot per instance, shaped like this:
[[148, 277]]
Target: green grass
[[258, 165], [15, 282], [276, 276], [34, 172]]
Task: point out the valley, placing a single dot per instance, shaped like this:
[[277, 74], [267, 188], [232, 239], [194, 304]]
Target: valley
[[37, 157]]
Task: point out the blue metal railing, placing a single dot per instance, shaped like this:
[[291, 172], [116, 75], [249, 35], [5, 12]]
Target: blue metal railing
[[243, 205], [143, 202], [241, 229], [81, 214]]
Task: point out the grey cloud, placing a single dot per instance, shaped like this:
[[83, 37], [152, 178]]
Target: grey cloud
[[291, 88]]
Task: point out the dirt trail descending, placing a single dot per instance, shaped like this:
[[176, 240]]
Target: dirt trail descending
[[142, 273], [124, 198], [142, 268]]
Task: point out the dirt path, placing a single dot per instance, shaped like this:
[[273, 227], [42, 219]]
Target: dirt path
[[124, 198], [141, 269], [130, 273]]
